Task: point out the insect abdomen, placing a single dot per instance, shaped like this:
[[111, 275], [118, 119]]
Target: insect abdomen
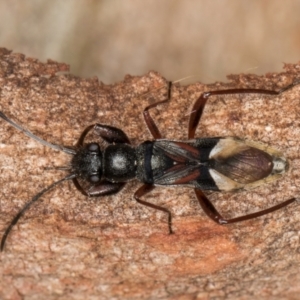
[[247, 166], [237, 164]]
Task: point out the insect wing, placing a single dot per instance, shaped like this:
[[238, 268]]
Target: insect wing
[[176, 162]]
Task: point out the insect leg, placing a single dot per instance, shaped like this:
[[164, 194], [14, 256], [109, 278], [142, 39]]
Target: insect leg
[[143, 190], [148, 119], [200, 103], [102, 189], [109, 133], [288, 87], [211, 211]]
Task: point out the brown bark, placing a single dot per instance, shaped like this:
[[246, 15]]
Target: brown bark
[[70, 247]]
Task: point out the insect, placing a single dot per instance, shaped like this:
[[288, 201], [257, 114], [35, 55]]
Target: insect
[[217, 163]]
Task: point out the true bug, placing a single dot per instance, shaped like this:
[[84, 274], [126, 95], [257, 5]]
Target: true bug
[[218, 163]]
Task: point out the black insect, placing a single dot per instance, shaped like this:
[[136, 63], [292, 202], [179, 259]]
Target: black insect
[[218, 163]]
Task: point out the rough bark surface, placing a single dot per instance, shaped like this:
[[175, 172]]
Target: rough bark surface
[[70, 247]]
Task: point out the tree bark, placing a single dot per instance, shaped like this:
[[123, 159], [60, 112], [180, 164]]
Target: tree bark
[[68, 246]]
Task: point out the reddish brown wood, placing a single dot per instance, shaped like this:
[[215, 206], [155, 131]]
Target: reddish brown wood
[[69, 246]]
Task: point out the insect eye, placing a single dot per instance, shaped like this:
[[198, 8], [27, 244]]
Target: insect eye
[[94, 148], [94, 178]]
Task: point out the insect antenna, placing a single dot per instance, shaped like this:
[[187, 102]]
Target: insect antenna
[[27, 206], [36, 138]]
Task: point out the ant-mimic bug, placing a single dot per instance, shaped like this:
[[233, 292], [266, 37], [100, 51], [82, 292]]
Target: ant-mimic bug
[[218, 163]]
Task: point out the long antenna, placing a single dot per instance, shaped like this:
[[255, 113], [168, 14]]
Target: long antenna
[[36, 138], [27, 206]]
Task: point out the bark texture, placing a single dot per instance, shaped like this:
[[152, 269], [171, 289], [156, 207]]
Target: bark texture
[[70, 247]]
